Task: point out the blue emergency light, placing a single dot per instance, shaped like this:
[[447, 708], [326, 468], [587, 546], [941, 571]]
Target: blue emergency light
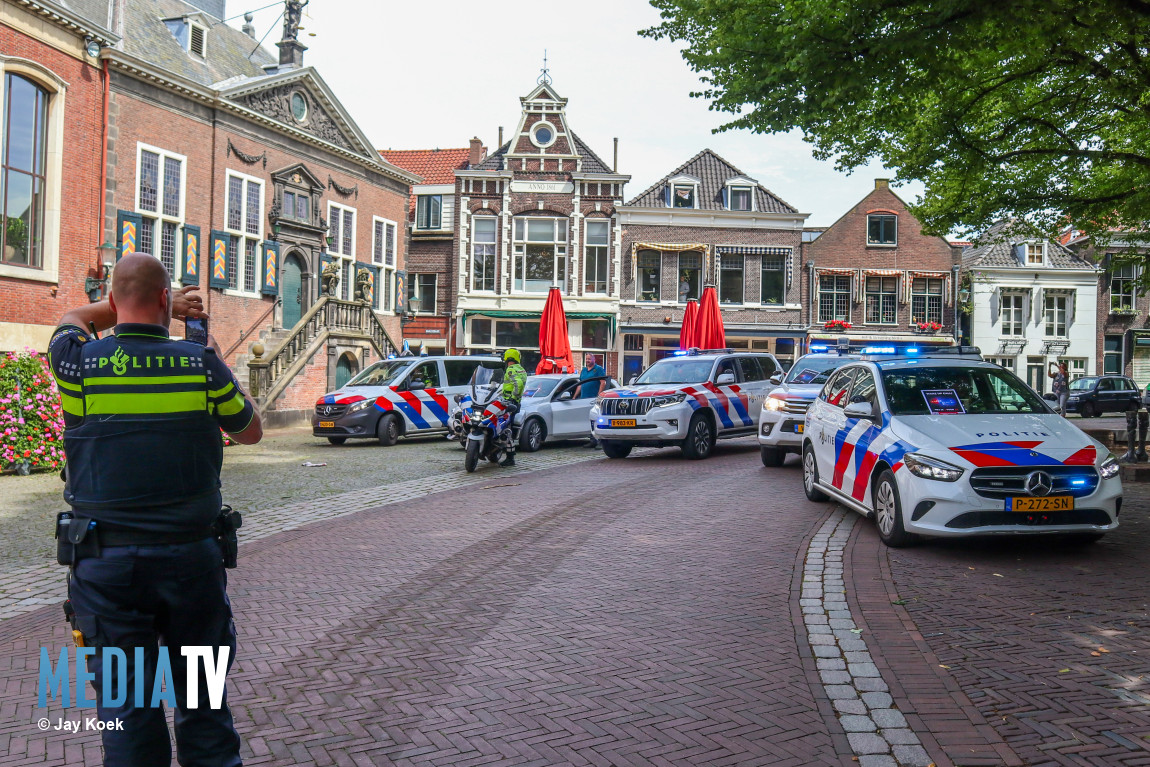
[[879, 350], [819, 347]]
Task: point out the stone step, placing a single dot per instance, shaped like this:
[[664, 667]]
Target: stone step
[[1136, 472]]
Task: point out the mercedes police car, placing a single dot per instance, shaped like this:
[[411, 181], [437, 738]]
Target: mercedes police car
[[948, 445], [688, 400], [783, 416]]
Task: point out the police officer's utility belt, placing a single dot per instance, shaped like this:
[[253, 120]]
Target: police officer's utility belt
[[79, 537]]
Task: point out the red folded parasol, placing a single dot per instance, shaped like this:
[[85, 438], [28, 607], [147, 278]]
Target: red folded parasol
[[554, 345], [690, 325], [709, 325]]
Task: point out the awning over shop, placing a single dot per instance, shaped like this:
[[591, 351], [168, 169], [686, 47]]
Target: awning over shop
[[761, 250], [519, 315]]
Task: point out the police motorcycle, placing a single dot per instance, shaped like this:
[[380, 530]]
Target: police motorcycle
[[486, 421]]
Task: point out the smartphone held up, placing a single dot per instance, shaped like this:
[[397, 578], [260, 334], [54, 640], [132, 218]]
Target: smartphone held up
[[196, 330]]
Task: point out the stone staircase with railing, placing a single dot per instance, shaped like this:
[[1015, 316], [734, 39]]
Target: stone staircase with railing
[[287, 352]]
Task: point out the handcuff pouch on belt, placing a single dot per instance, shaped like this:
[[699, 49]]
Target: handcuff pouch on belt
[[76, 538], [225, 528]]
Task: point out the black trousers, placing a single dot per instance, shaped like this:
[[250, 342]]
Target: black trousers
[[147, 596]]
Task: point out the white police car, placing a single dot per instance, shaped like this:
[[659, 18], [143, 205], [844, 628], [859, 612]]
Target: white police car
[[687, 400], [946, 445], [783, 417]]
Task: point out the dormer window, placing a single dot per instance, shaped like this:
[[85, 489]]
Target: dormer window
[[1030, 253], [882, 229], [191, 36], [739, 197], [683, 196]]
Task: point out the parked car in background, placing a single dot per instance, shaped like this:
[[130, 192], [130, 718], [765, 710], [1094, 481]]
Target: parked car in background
[[781, 420], [1094, 395], [552, 409]]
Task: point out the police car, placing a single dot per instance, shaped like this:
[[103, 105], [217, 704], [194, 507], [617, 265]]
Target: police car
[[398, 397], [688, 400], [783, 416], [949, 445]]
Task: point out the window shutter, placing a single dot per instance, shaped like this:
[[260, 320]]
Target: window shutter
[[1020, 252], [219, 260], [400, 292], [269, 285], [726, 197], [190, 266], [196, 43], [127, 233]]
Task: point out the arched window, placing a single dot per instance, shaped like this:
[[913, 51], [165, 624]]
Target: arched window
[[22, 171]]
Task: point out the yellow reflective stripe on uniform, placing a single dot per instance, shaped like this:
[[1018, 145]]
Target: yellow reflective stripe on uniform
[[217, 393], [145, 380], [72, 405], [133, 403], [231, 407], [68, 386]]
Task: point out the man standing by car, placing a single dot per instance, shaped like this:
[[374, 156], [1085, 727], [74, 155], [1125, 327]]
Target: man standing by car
[[142, 420], [592, 388]]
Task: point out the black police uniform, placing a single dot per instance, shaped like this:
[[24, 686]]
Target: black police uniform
[[142, 418]]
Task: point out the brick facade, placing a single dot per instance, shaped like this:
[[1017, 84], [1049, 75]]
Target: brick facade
[[50, 55], [844, 251]]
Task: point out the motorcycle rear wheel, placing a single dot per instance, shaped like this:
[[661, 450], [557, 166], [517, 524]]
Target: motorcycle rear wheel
[[471, 460]]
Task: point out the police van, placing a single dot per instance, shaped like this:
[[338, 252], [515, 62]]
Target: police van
[[944, 444], [688, 400], [400, 397]]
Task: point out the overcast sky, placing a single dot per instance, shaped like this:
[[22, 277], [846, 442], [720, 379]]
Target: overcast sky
[[435, 73]]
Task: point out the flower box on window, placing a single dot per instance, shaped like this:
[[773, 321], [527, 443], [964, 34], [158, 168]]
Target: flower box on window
[[928, 327], [836, 325], [1123, 311]]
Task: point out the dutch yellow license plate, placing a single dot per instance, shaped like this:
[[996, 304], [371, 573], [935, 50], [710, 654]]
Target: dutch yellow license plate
[[327, 424], [1049, 503], [622, 423]]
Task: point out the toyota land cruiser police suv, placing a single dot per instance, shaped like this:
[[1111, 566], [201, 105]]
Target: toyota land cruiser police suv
[[688, 400]]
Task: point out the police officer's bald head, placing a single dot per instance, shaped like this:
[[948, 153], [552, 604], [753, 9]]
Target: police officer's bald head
[[141, 290]]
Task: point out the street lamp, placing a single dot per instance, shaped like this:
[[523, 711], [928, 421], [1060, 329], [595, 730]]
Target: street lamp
[[94, 285]]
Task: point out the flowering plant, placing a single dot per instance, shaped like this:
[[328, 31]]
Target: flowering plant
[[836, 325], [929, 326], [31, 420]]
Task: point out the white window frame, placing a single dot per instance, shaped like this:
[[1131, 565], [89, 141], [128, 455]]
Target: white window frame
[[1041, 252], [383, 290], [49, 269], [926, 296], [694, 195], [413, 282], [876, 243], [1076, 367], [242, 232], [559, 250], [1012, 320], [157, 216], [1118, 275], [1050, 314], [740, 182], [849, 292], [742, 260], [1007, 363], [335, 251], [880, 294], [494, 254], [606, 248], [192, 26], [437, 228]]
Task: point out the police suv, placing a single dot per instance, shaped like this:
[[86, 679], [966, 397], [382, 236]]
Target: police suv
[[688, 400], [948, 445], [398, 397], [783, 417]]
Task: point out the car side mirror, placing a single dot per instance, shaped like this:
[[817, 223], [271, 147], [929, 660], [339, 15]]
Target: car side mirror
[[565, 397], [458, 398], [776, 379], [859, 410], [725, 378], [416, 386], [632, 380]]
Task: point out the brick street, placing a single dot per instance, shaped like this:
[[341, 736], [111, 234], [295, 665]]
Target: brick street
[[657, 611]]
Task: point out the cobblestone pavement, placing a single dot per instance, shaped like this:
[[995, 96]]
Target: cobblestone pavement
[[266, 483], [655, 611]]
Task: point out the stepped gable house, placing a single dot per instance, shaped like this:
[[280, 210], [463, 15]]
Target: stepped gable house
[[707, 222], [875, 270], [245, 175], [51, 128]]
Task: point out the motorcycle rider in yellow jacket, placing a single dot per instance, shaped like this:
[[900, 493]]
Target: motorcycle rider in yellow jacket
[[514, 381]]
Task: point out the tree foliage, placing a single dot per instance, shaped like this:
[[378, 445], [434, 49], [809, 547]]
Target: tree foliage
[[1037, 109]]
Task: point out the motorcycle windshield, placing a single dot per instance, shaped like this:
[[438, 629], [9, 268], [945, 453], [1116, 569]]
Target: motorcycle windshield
[[486, 383]]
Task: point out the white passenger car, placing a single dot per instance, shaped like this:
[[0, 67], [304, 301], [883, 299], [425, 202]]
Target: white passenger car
[[940, 446], [688, 400], [782, 420], [552, 408]]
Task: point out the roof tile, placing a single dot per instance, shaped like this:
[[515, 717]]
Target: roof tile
[[436, 166], [713, 172]]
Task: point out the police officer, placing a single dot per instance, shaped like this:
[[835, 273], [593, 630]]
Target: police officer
[[514, 381], [142, 417]]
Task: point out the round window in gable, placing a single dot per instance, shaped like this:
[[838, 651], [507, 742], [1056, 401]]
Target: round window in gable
[[543, 134], [298, 106]]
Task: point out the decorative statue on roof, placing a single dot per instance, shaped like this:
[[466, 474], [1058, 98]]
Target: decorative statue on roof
[[293, 11], [329, 278]]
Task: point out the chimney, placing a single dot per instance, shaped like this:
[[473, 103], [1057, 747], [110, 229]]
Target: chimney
[[500, 137], [882, 183], [615, 165], [477, 154]]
